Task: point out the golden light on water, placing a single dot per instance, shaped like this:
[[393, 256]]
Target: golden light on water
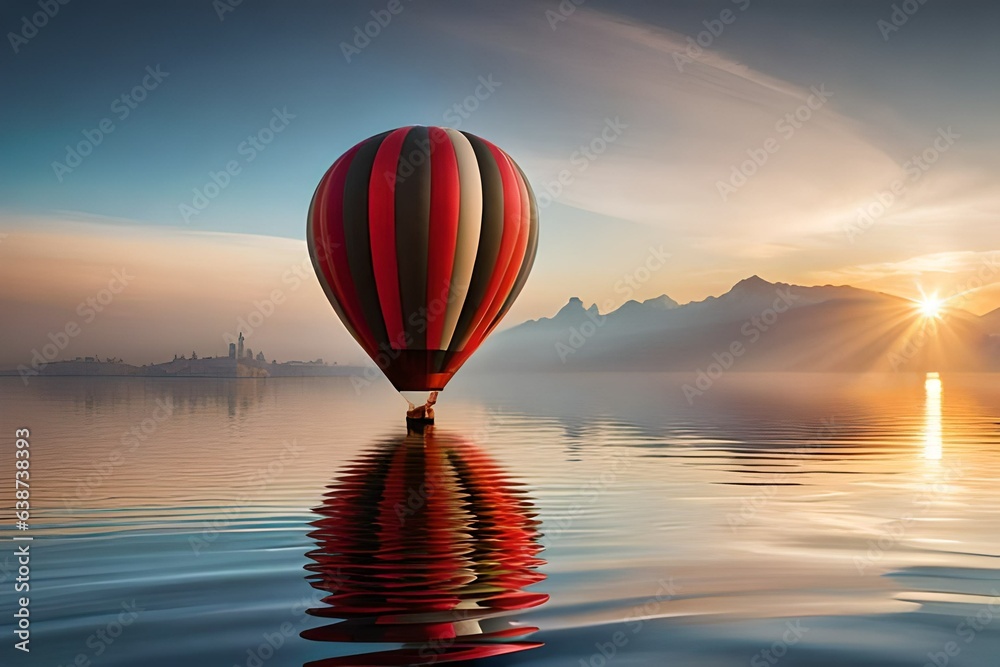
[[932, 417]]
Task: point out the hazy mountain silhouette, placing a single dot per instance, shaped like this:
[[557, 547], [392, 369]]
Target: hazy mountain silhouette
[[992, 321], [756, 325]]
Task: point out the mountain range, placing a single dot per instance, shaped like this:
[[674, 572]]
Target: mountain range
[[755, 326]]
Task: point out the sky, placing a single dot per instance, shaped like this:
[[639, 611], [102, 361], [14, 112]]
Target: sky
[[809, 142]]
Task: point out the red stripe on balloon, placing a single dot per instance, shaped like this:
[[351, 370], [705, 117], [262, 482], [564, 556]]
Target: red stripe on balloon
[[516, 262], [512, 230], [382, 231], [445, 203], [328, 235]]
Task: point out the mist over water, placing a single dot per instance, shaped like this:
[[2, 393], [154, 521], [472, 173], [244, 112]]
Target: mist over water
[[793, 519]]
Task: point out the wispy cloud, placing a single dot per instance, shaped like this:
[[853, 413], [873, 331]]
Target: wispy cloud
[[693, 127]]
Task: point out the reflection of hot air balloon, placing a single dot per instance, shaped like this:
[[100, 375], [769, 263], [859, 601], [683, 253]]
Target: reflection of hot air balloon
[[423, 542], [422, 237]]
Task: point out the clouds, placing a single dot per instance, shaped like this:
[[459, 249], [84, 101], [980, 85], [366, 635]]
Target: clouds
[[739, 167], [690, 128]]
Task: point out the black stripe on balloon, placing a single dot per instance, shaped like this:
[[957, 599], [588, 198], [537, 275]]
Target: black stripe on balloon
[[413, 219], [438, 360], [320, 255], [529, 251], [490, 235], [357, 239]]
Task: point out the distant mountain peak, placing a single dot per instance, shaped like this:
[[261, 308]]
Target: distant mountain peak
[[753, 282], [752, 286], [663, 301], [574, 307]]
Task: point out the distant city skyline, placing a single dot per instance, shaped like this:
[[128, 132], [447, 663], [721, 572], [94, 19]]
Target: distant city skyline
[[52, 352]]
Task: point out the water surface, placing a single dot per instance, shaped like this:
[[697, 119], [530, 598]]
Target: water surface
[[603, 518]]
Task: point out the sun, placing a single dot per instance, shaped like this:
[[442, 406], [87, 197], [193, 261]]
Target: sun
[[930, 307]]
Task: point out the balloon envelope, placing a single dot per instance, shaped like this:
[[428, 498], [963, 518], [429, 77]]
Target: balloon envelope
[[422, 237]]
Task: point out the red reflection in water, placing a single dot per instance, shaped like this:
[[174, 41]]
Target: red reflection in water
[[424, 542]]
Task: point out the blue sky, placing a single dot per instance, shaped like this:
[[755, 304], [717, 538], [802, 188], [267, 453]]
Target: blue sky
[[226, 76], [557, 85]]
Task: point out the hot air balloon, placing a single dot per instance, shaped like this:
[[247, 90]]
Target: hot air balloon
[[422, 238]]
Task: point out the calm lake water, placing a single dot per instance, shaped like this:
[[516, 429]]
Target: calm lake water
[[578, 519]]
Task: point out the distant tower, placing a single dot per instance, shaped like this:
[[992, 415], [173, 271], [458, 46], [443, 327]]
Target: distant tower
[[260, 357], [232, 350], [249, 354], [239, 354]]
